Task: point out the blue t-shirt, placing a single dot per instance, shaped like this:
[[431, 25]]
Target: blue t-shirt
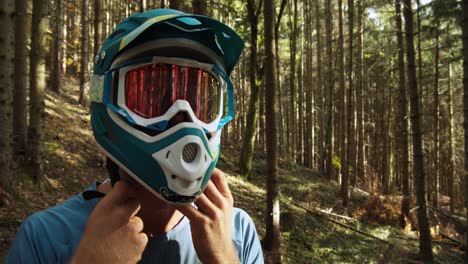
[[52, 236]]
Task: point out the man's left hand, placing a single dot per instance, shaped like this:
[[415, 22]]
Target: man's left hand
[[211, 223]]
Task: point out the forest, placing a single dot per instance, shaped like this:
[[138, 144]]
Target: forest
[[350, 137]]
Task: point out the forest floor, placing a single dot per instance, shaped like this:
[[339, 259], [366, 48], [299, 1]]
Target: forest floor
[[73, 161]]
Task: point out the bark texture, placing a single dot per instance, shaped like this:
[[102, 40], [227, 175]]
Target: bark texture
[[20, 79], [425, 240], [245, 161], [7, 8], [402, 120], [39, 51], [273, 236]]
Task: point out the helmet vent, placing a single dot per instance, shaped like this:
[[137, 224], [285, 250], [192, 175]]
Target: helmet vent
[[190, 151]]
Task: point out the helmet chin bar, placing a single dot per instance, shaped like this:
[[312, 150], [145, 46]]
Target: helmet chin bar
[[170, 158], [185, 163]]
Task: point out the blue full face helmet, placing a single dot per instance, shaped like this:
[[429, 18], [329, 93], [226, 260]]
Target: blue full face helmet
[[160, 96]]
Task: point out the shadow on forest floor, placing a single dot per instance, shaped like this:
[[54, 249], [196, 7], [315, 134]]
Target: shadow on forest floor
[[73, 161]]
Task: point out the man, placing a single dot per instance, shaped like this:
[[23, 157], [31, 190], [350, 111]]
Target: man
[[160, 96]]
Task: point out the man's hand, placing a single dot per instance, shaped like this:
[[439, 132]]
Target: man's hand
[[113, 233], [211, 223]]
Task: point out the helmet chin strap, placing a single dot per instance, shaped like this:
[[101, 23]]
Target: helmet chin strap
[[113, 171], [114, 176]]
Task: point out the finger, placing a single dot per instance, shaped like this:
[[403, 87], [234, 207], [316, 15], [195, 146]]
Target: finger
[[142, 240], [127, 209], [214, 195], [206, 206], [221, 184], [136, 224], [191, 213], [118, 195]]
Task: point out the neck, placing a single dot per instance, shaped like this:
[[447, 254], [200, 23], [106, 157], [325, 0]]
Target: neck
[[158, 216]]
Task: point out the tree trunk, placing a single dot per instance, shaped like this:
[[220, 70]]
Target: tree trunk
[[435, 178], [199, 7], [281, 135], [56, 60], [420, 88], [402, 121], [309, 135], [329, 127], [292, 79], [320, 93], [425, 240], [174, 4], [142, 5], [245, 161], [420, 69], [261, 127], [63, 43], [360, 131], [39, 49], [300, 91], [84, 54], [464, 26], [97, 27], [7, 8], [349, 125], [272, 240], [451, 166], [342, 94], [20, 79]]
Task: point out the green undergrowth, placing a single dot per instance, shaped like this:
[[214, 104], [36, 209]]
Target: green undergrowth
[[310, 238]]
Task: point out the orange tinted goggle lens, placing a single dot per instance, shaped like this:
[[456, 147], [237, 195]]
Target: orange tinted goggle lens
[[151, 90]]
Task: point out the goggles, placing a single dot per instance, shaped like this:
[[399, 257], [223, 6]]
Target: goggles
[[148, 92]]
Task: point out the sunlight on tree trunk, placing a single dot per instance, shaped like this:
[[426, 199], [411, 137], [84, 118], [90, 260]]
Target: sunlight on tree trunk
[[84, 54], [39, 50]]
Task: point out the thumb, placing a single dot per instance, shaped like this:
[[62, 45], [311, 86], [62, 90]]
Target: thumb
[[118, 195]]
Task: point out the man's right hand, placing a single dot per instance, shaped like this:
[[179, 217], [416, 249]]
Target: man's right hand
[[113, 233]]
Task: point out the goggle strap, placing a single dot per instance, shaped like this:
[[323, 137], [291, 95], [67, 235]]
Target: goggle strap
[[108, 85], [224, 121], [122, 112], [230, 97], [96, 89]]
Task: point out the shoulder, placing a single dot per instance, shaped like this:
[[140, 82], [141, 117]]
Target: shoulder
[[245, 237], [241, 219], [52, 234]]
